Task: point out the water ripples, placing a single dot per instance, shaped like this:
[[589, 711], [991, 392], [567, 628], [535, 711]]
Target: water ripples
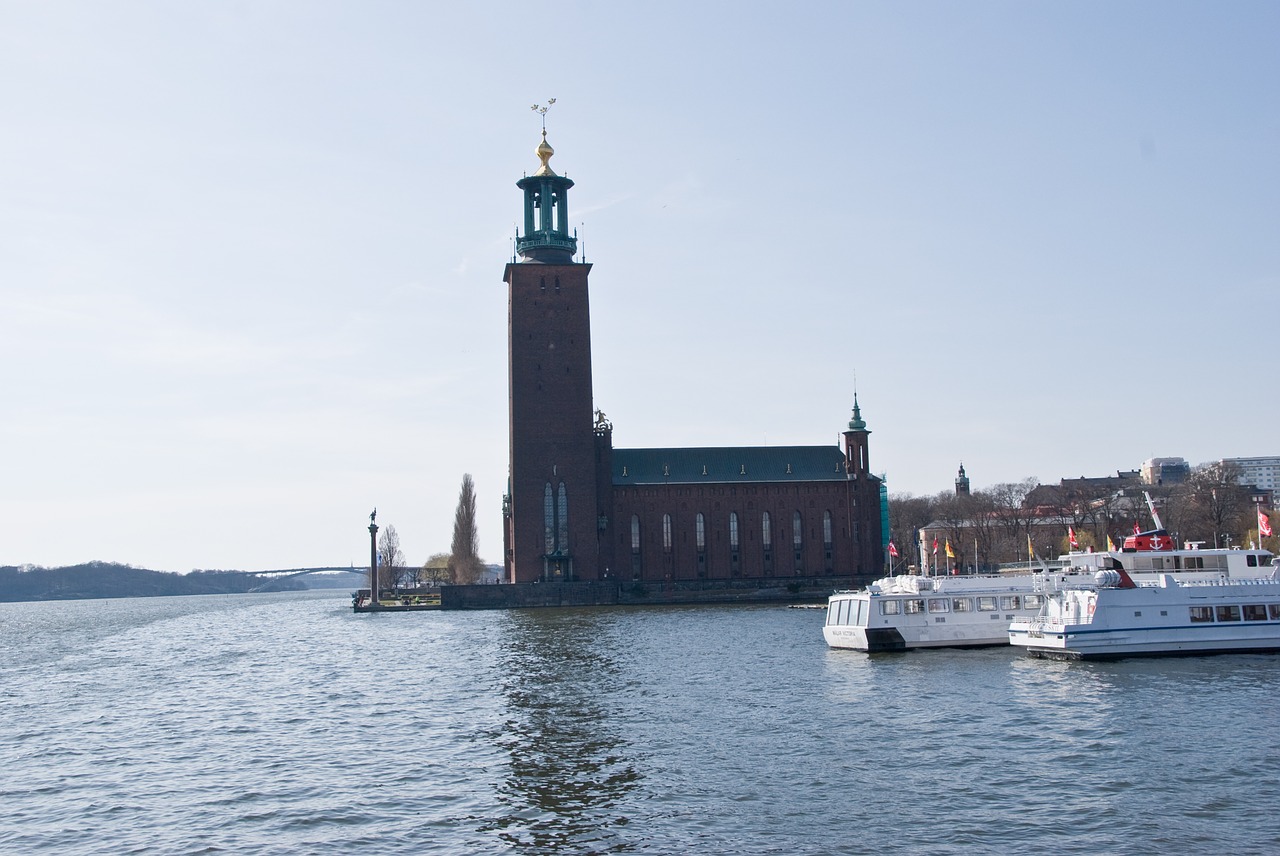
[[286, 724]]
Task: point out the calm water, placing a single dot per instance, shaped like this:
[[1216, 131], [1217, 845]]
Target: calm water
[[286, 724]]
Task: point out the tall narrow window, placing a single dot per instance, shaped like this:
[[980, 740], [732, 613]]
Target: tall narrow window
[[635, 533], [826, 529], [733, 529], [666, 532], [765, 535], [701, 531], [562, 511], [797, 529], [549, 520]]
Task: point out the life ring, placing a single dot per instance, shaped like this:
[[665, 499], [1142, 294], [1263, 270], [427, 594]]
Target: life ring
[[1091, 606]]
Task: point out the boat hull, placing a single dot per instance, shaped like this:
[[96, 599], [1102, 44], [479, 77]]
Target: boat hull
[[906, 613], [1169, 618]]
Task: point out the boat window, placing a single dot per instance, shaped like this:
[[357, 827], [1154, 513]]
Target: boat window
[[913, 606], [961, 604], [1192, 563], [1251, 560], [939, 604], [1200, 614], [1274, 610], [1255, 612], [1032, 601], [860, 617], [986, 604], [1010, 601], [1229, 612], [890, 607]]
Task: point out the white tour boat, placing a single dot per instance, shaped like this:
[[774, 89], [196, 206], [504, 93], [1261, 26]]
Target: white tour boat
[[912, 611], [903, 612], [1116, 616]]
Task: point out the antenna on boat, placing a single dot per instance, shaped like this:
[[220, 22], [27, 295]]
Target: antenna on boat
[[1155, 517]]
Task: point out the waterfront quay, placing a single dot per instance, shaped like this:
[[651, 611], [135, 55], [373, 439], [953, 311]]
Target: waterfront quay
[[597, 593]]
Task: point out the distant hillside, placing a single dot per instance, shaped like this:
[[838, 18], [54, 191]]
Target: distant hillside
[[106, 579]]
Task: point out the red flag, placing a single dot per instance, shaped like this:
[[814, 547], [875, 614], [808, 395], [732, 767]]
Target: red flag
[[1264, 523], [893, 551], [1071, 536], [935, 545], [1137, 530]]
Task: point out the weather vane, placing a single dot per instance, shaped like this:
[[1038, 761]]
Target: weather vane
[[542, 111]]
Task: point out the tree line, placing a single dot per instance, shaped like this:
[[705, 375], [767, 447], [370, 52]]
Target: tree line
[[462, 565], [997, 524], [108, 579]]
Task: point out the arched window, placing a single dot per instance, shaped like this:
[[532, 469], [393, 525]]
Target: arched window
[[826, 528], [563, 513], [797, 529], [765, 535], [549, 520], [701, 531], [733, 529], [666, 532], [635, 533]]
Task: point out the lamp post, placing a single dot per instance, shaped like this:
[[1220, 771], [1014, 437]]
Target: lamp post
[[373, 561]]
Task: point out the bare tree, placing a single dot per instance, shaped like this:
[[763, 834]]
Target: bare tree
[[1215, 506], [465, 565], [390, 559], [907, 516], [1013, 517]]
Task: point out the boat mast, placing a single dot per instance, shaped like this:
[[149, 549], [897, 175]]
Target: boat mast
[[1155, 517]]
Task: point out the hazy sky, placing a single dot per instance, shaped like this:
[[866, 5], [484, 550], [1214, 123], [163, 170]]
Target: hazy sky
[[251, 253]]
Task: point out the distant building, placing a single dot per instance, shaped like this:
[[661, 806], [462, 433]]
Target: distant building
[[576, 508], [1072, 491], [962, 483], [1165, 471], [1258, 472]]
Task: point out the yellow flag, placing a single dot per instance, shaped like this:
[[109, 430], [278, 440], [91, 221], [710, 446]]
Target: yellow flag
[[950, 553], [1031, 551], [1111, 545]]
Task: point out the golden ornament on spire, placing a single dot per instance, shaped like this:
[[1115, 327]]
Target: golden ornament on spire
[[544, 150], [544, 153]]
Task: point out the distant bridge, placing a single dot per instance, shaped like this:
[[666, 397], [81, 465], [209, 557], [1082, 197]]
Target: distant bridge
[[289, 573], [269, 577]]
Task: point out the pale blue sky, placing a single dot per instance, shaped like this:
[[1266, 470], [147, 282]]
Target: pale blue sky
[[251, 252]]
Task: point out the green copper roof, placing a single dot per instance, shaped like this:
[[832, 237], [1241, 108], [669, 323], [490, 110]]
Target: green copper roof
[[856, 423], [728, 464]]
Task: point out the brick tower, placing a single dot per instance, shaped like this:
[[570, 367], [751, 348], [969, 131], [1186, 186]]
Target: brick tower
[[551, 508]]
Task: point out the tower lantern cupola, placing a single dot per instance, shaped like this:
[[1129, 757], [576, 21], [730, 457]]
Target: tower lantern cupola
[[546, 237], [857, 462]]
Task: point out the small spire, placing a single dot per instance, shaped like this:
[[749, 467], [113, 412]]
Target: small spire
[[544, 150], [856, 423]]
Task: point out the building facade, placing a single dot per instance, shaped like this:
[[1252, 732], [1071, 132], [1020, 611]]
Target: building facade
[[578, 509], [1261, 472]]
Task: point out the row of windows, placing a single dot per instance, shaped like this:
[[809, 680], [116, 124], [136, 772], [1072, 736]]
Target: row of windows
[[1233, 612], [984, 603], [700, 530], [854, 611]]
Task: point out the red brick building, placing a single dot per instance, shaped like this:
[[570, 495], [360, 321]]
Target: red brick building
[[579, 509]]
